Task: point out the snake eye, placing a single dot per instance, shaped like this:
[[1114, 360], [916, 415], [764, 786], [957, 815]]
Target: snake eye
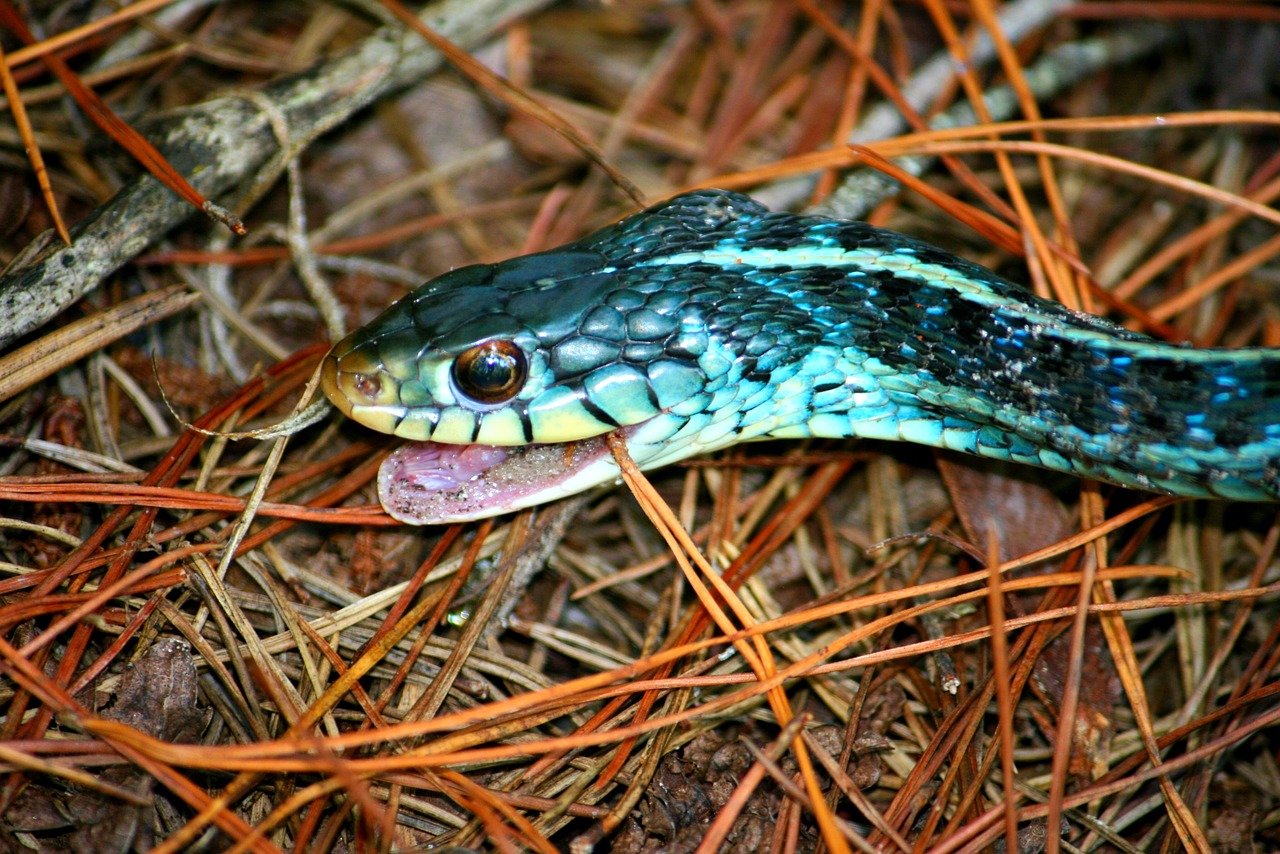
[[490, 373]]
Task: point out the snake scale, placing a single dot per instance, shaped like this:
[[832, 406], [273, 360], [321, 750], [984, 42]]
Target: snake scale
[[708, 320]]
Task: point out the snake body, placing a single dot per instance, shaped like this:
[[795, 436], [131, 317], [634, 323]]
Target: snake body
[[708, 320]]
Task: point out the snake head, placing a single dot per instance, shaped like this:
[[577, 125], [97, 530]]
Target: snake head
[[501, 354], [552, 347], [508, 376]]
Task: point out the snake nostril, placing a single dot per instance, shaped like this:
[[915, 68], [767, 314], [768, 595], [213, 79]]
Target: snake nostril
[[368, 386]]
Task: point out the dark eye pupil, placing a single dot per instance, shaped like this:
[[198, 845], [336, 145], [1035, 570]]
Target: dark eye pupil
[[492, 372]]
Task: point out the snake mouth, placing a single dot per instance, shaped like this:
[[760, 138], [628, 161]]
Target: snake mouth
[[430, 483]]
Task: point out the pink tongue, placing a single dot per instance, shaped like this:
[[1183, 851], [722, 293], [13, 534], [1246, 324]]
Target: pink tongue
[[426, 483], [433, 467]]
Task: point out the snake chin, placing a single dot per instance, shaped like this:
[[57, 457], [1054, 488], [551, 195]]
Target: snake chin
[[430, 483]]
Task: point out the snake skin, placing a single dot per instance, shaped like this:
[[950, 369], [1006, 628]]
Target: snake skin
[[708, 320]]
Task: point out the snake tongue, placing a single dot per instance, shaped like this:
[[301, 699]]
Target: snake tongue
[[426, 483]]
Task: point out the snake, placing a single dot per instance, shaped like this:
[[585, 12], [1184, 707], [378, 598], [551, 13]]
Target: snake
[[708, 320]]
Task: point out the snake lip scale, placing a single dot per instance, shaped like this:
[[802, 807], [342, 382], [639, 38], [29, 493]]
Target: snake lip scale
[[708, 320]]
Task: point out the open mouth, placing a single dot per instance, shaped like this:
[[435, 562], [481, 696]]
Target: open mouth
[[427, 483]]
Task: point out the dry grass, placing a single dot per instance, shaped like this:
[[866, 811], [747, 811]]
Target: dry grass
[[220, 645]]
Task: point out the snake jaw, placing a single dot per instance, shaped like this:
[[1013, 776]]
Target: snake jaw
[[430, 483]]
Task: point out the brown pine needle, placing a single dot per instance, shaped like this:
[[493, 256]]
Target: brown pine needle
[[32, 147], [514, 97], [39, 359], [122, 132]]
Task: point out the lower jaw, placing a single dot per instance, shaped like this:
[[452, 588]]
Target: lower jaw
[[427, 483]]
